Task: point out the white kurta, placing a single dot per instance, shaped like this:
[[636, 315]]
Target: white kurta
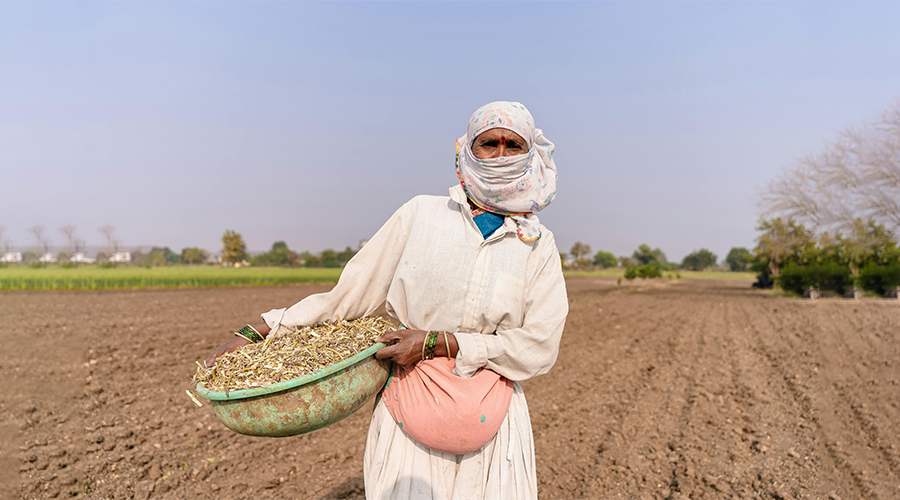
[[505, 301]]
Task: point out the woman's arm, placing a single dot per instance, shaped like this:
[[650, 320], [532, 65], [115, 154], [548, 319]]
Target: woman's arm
[[531, 350], [363, 284]]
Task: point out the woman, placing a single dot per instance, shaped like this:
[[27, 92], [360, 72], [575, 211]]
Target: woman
[[478, 282]]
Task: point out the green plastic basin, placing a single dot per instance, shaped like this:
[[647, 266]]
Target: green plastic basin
[[303, 404]]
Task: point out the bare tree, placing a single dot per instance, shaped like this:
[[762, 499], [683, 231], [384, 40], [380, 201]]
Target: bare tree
[[881, 169], [112, 244], [6, 243], [38, 231], [69, 231], [856, 177]]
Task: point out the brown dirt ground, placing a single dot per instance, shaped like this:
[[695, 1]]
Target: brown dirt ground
[[698, 389]]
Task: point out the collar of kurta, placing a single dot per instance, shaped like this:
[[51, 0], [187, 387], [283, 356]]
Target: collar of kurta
[[458, 195]]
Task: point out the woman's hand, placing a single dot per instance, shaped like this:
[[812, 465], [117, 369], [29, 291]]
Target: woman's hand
[[404, 346]]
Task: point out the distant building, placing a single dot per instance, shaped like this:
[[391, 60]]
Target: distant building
[[362, 243], [121, 257], [11, 257], [79, 258], [47, 258]]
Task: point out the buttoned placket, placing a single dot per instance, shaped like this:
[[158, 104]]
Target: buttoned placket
[[477, 280]]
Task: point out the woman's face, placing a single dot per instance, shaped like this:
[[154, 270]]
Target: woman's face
[[496, 142]]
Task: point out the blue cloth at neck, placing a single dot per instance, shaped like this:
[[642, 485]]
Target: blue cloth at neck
[[488, 222]]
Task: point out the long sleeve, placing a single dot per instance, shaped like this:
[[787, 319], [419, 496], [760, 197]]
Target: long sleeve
[[363, 284], [531, 350]]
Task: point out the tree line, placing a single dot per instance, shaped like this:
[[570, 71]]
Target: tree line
[[738, 259], [234, 252]]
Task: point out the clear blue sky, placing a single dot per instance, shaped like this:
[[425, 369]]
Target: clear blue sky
[[311, 122]]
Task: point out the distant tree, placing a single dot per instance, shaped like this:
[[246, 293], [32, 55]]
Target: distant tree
[[738, 259], [72, 241], [5, 244], [648, 271], [310, 260], [345, 256], [649, 256], [699, 260], [163, 256], [605, 259], [139, 258], [782, 242], [109, 233], [329, 258], [626, 261], [865, 242], [579, 252], [193, 254], [38, 231], [631, 272], [234, 249], [279, 255]]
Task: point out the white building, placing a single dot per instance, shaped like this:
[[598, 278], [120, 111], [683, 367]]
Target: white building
[[11, 257], [120, 257], [79, 258], [47, 258]]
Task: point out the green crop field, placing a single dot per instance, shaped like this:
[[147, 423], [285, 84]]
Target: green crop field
[[126, 278]]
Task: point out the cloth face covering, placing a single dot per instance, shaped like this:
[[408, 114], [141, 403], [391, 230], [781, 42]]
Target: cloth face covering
[[515, 186]]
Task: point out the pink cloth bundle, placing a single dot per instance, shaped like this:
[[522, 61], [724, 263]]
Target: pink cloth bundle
[[444, 412]]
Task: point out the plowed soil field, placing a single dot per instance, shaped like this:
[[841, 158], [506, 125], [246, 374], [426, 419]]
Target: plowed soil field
[[698, 389]]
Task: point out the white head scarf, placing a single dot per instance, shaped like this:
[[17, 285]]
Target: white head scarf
[[516, 186]]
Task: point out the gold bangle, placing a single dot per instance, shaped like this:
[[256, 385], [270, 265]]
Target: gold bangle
[[447, 345], [430, 345]]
